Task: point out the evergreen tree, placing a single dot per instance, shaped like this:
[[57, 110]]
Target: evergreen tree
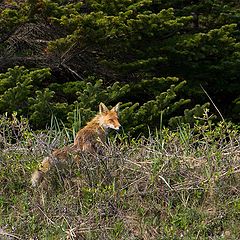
[[151, 55]]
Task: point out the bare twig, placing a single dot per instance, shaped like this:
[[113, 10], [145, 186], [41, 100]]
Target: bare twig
[[212, 103]]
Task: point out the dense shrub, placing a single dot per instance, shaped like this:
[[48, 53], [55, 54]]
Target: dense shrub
[[128, 51]]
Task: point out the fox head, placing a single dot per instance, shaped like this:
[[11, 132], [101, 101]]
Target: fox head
[[109, 118]]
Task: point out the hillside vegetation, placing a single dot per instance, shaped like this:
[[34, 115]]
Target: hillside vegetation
[[174, 170], [181, 184]]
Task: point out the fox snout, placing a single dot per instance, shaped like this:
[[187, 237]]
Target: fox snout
[[113, 124], [117, 127]]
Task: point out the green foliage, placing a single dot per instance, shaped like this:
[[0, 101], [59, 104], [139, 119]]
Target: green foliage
[[20, 92], [138, 117], [150, 55], [41, 106], [189, 115], [17, 87], [198, 42], [11, 18]]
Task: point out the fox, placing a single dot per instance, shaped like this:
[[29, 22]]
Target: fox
[[89, 139]]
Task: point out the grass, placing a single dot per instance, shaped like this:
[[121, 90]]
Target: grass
[[181, 184]]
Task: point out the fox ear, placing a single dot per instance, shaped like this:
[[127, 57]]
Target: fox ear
[[102, 108], [116, 108]]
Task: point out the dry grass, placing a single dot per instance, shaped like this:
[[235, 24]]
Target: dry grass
[[180, 184]]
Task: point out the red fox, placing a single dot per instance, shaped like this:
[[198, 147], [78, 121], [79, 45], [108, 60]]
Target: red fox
[[88, 139]]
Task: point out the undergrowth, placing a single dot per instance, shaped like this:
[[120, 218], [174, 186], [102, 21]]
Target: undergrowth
[[182, 184]]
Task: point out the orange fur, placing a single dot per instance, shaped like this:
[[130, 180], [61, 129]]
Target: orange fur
[[88, 139]]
